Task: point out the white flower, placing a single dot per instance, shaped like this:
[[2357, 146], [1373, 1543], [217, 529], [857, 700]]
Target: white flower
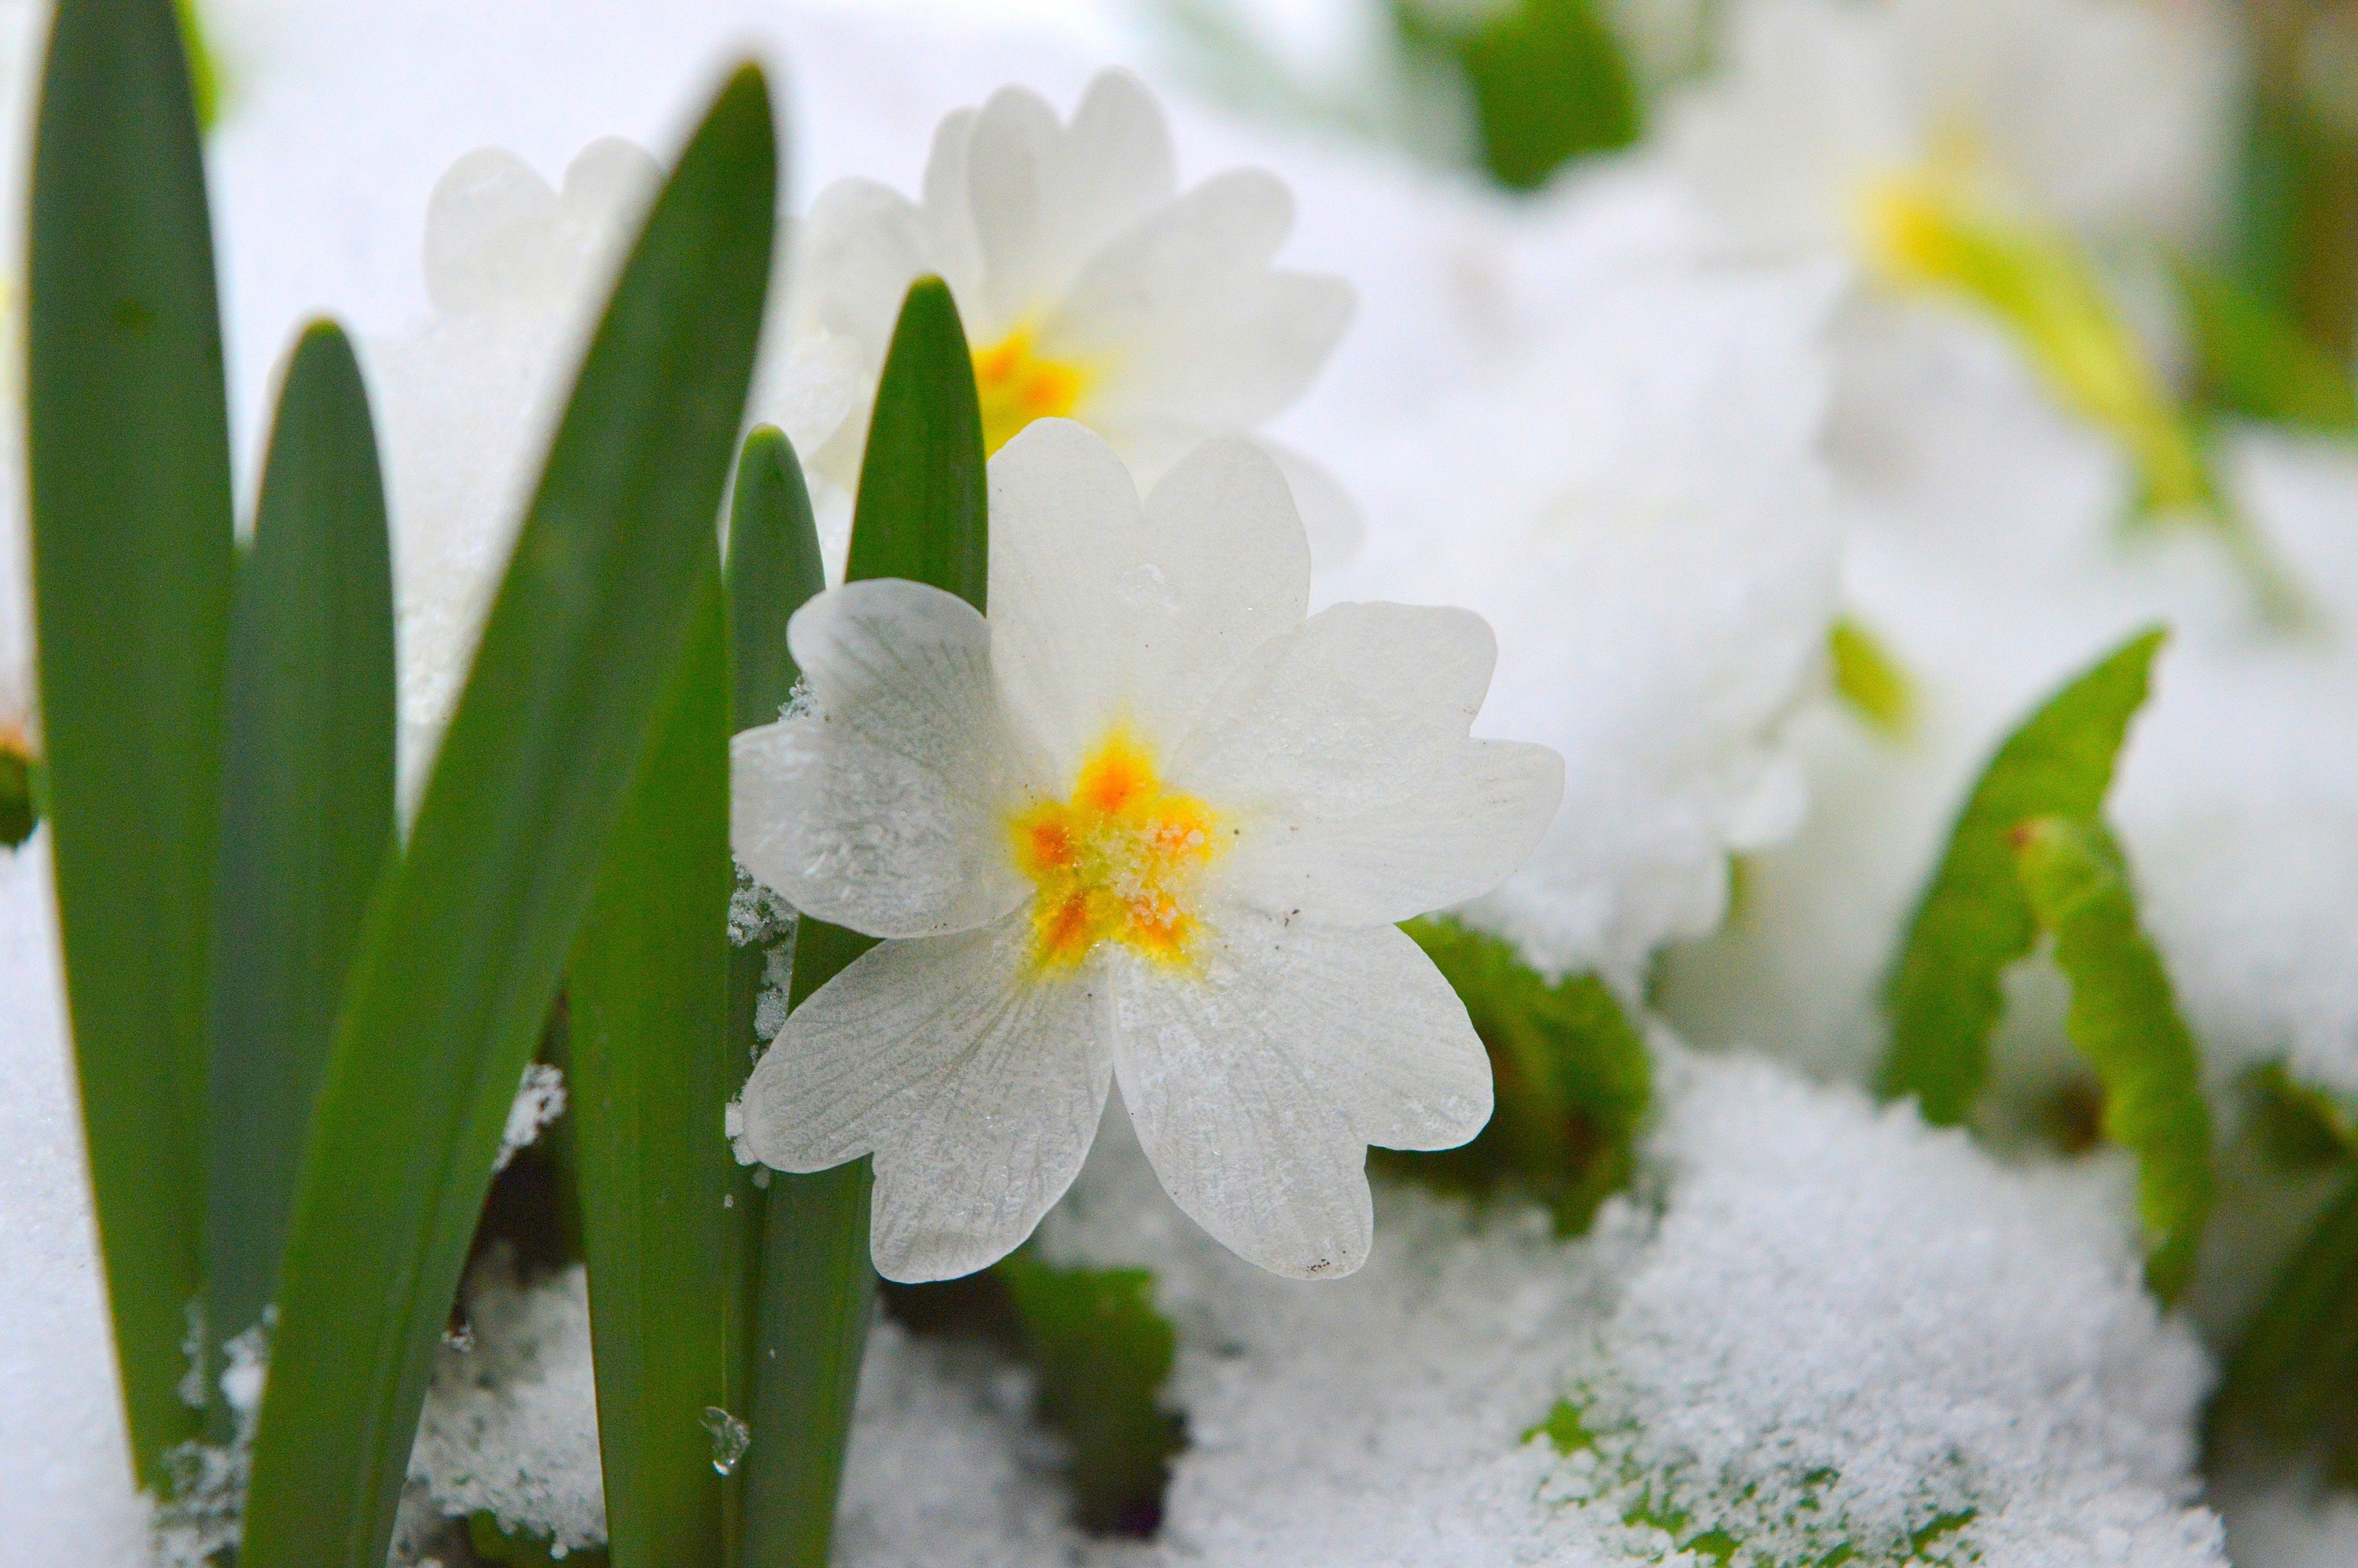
[[1661, 560], [466, 402], [2103, 117], [1089, 287], [1145, 823]]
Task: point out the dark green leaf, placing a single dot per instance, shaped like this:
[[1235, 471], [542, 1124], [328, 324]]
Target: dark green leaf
[[132, 568], [2256, 361], [1550, 82], [205, 72], [2298, 1125], [921, 514], [1869, 679], [2296, 246], [2297, 1363], [18, 814], [1974, 920], [1101, 1353], [465, 945], [2124, 1022], [923, 501], [666, 1211], [1571, 1074], [774, 568], [307, 813]]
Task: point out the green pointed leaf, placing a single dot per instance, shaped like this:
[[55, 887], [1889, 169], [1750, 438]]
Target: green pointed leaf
[[1975, 919], [19, 813], [2256, 362], [132, 567], [1869, 679], [2297, 1363], [1571, 1074], [2124, 1022], [665, 1208], [1101, 1354], [921, 514], [465, 945], [308, 823], [774, 571], [204, 71]]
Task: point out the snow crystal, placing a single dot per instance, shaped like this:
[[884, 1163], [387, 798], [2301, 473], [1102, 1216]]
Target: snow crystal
[[539, 1100], [757, 914], [511, 1426], [66, 1487], [1810, 1309], [206, 1513]]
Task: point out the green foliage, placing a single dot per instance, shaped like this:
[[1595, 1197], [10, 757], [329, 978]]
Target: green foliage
[[2256, 362], [1549, 81], [1564, 1429], [1101, 1354], [1571, 1074], [921, 514], [2296, 247], [2293, 1376], [666, 1211], [2299, 1126], [20, 812], [465, 944], [308, 824], [773, 569], [128, 452], [1975, 919], [520, 1548], [204, 71], [1869, 679], [2124, 1022]]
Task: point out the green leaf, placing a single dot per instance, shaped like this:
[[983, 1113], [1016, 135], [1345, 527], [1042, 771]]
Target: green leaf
[[666, 1211], [1873, 682], [1549, 80], [307, 811], [465, 946], [2297, 1363], [132, 565], [921, 514], [19, 813], [2124, 1022], [205, 72], [2256, 361], [1564, 1429], [1975, 919], [1101, 1353], [774, 571], [2295, 248], [2299, 1126], [1571, 1074]]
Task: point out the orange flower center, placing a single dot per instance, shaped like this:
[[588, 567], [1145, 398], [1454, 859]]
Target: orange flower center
[[1115, 863], [1016, 386]]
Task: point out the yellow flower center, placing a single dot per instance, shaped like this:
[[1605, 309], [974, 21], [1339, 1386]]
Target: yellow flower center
[[1016, 386], [1115, 863]]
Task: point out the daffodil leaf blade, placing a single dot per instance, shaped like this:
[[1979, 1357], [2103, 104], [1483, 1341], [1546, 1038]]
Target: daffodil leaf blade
[[922, 508], [1102, 1353], [666, 1211], [1974, 920], [921, 514], [2124, 1021], [2298, 1360], [773, 569], [307, 818], [133, 564], [1571, 1077], [2256, 361], [465, 942]]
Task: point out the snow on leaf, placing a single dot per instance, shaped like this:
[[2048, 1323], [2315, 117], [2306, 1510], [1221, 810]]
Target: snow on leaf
[[1974, 920], [2125, 1020], [1571, 1075]]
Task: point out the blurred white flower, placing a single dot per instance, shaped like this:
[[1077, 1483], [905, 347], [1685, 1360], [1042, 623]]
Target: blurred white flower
[[466, 401], [1999, 152], [1090, 287], [1147, 822], [1638, 505]]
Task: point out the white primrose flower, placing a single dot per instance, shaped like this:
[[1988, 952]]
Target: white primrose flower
[[1147, 823], [1090, 287]]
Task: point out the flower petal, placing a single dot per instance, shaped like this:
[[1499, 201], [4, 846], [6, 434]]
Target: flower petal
[[1103, 611], [1187, 316], [1341, 754], [977, 1086], [1258, 1076], [884, 807]]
